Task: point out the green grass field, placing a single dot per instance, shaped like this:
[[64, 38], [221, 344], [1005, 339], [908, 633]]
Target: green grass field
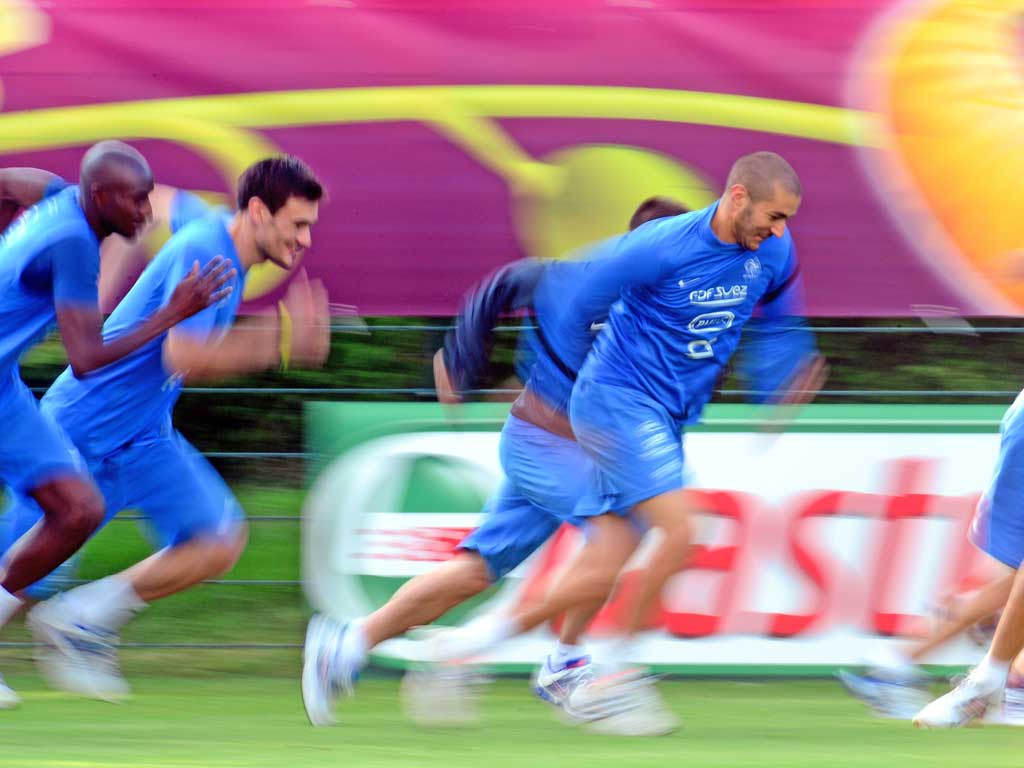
[[244, 721], [198, 707]]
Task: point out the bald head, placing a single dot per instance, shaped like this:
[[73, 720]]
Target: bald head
[[761, 173], [107, 161], [115, 182]]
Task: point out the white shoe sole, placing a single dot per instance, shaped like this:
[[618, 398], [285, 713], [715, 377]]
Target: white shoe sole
[[314, 701]]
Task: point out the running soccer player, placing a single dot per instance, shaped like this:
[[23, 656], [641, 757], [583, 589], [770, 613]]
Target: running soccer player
[[120, 417], [691, 283], [894, 684], [998, 530], [49, 263], [544, 467]]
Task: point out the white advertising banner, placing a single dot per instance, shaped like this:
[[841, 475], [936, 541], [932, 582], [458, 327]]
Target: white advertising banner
[[815, 548]]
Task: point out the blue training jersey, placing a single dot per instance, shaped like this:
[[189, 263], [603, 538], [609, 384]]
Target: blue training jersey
[[685, 299], [570, 301], [49, 258], [134, 396]]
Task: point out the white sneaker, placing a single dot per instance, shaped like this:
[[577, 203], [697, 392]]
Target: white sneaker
[[555, 682], [623, 704], [8, 698], [969, 701], [322, 680], [891, 697], [75, 657]]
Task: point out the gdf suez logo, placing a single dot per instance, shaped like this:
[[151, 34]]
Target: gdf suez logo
[[709, 322]]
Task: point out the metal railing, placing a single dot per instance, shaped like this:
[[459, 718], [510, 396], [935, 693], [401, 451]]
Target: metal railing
[[425, 392]]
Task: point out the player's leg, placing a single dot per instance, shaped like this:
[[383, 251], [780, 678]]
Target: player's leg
[[636, 449], [1013, 702], [37, 460], [894, 685], [72, 510], [483, 557], [552, 473], [998, 530], [335, 653], [201, 528]]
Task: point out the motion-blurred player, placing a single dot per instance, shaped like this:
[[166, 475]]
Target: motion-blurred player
[[120, 418], [690, 282], [49, 264], [998, 530], [544, 468]]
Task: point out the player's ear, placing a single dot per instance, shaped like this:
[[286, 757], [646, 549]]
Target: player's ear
[[258, 210], [98, 194], [739, 195]]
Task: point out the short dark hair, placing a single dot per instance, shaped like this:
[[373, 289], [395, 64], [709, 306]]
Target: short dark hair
[[275, 179], [655, 208], [761, 172]]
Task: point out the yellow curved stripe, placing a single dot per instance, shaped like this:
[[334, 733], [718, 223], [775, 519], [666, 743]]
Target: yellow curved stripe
[[61, 126], [224, 130]]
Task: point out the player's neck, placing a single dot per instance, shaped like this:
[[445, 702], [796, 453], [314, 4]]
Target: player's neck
[[721, 222], [245, 242], [92, 216]]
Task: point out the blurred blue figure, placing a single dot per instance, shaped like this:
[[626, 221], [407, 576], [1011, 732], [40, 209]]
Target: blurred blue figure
[[690, 284], [120, 417], [49, 266], [544, 469]]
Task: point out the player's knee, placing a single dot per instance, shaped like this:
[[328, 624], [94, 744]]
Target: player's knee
[[221, 554], [474, 576], [83, 514], [598, 584], [221, 557]]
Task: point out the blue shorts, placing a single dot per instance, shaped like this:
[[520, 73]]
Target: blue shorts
[[634, 444], [33, 449], [998, 525], [167, 480], [545, 476]]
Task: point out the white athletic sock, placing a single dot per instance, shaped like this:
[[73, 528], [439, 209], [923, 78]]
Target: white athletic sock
[[352, 650], [564, 653], [8, 605], [991, 671], [108, 603]]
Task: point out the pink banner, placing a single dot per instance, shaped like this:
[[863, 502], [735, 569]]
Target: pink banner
[[456, 136]]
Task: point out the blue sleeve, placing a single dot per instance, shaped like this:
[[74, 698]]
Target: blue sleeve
[[210, 321], [184, 208], [76, 272], [639, 258], [55, 185], [467, 347], [778, 340]]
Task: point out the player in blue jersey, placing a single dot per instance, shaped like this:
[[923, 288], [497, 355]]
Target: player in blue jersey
[[691, 283], [119, 418], [544, 468], [998, 530], [49, 263]]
